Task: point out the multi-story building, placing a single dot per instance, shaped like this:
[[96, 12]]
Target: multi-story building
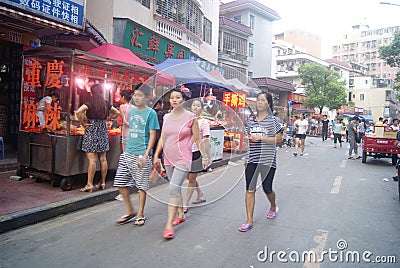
[[259, 18], [233, 49], [360, 46], [288, 65], [309, 41], [375, 95], [158, 29]]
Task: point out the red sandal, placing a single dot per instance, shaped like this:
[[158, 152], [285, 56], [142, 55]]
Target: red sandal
[[168, 233], [178, 221]]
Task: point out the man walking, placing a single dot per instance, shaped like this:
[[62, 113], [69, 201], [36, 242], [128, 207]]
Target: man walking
[[325, 125], [352, 133]]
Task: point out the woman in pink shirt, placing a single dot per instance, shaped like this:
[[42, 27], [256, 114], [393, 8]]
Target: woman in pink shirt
[[180, 128]]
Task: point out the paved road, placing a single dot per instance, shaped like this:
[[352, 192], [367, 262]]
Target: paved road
[[325, 200]]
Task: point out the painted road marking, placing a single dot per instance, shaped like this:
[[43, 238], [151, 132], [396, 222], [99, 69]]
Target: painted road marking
[[336, 185], [320, 239], [343, 164]]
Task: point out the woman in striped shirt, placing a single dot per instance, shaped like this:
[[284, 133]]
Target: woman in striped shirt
[[264, 132]]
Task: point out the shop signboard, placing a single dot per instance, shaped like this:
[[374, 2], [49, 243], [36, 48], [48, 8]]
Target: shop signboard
[[68, 12], [150, 46], [234, 100]]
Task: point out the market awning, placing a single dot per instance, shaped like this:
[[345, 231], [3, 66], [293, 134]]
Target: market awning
[[187, 71], [122, 54]]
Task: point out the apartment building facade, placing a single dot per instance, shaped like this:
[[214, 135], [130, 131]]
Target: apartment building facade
[[233, 49], [309, 41], [360, 47], [259, 18], [375, 95], [158, 29]]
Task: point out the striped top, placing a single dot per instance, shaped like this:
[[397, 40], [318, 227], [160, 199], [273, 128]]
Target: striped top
[[261, 152]]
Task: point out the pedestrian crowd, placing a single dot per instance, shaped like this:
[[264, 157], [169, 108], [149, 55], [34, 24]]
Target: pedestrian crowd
[[179, 143]]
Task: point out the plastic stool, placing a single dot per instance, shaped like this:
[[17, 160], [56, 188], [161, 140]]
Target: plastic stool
[[2, 147]]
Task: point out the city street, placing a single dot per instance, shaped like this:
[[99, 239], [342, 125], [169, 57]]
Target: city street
[[327, 204]]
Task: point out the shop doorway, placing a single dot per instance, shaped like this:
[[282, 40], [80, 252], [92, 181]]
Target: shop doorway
[[10, 92]]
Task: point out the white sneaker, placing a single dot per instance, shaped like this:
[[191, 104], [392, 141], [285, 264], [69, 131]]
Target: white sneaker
[[119, 198]]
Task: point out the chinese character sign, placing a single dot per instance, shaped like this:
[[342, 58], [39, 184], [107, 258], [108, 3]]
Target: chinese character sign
[[53, 74], [151, 46], [52, 115], [234, 100], [67, 11], [29, 116]]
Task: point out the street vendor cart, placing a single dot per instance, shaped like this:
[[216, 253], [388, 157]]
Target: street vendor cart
[[53, 151]]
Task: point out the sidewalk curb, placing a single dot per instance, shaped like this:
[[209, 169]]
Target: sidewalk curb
[[22, 218]]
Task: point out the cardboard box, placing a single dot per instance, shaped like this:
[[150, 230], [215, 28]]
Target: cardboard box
[[379, 131], [390, 135]]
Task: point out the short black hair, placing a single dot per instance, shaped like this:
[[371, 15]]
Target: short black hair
[[185, 95], [144, 88]]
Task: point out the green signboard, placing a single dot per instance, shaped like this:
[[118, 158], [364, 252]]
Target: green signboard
[[151, 46]]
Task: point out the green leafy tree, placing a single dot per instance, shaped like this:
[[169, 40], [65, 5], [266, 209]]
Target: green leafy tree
[[391, 54], [323, 87]]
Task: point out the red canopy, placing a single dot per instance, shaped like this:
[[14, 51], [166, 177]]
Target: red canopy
[[118, 53]]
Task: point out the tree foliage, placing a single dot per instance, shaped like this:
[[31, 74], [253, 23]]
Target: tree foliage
[[391, 54], [323, 87]]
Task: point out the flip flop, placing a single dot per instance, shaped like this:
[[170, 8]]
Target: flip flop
[[350, 157], [168, 233], [358, 157], [126, 218], [272, 214], [178, 221], [245, 227], [139, 221]]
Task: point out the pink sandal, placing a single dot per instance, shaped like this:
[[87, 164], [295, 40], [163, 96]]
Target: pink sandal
[[272, 214], [178, 221], [245, 227], [168, 233]]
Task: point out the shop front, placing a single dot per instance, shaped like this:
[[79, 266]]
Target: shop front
[[30, 24], [50, 136]]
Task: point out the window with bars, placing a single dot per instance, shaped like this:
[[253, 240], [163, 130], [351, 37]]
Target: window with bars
[[235, 46], [207, 31], [183, 12]]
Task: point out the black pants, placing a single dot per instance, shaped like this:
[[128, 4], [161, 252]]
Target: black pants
[[324, 134], [337, 137], [267, 176]]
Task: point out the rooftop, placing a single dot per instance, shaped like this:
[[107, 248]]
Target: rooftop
[[235, 25], [252, 4]]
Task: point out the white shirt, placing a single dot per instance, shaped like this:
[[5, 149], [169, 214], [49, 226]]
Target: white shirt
[[301, 126]]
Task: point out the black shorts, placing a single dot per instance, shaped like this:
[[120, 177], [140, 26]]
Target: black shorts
[[301, 136], [197, 165]]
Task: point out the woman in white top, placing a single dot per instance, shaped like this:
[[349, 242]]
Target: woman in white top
[[126, 96], [301, 126], [196, 167]]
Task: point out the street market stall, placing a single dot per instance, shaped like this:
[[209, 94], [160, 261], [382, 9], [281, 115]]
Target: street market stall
[[52, 150]]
